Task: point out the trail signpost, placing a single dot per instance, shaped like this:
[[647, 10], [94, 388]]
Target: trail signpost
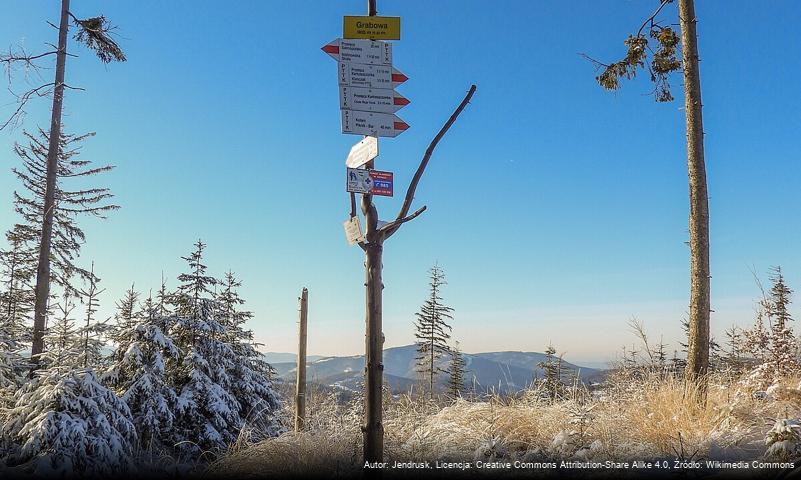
[[366, 78], [379, 100], [362, 152], [375, 124], [360, 51], [376, 28], [371, 76]]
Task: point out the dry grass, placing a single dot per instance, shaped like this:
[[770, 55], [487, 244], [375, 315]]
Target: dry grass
[[629, 419]]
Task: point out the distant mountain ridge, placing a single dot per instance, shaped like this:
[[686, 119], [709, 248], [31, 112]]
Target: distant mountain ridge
[[500, 371]]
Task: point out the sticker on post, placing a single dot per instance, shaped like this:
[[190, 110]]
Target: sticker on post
[[374, 182]]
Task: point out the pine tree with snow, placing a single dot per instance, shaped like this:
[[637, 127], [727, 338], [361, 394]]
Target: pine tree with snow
[[208, 414], [18, 264], [139, 376], [432, 331], [9, 366], [783, 350], [456, 373], [64, 421], [250, 374]]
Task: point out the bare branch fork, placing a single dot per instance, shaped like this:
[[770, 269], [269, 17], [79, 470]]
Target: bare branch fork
[[390, 228]]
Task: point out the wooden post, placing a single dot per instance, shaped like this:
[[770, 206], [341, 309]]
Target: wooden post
[[300, 390], [373, 246]]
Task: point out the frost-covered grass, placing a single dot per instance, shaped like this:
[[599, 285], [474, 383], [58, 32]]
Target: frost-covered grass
[[633, 417]]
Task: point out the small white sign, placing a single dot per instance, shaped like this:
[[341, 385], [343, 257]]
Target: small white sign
[[362, 152], [353, 231]]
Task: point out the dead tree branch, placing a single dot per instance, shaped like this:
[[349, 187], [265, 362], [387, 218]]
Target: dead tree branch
[[407, 202], [22, 100]]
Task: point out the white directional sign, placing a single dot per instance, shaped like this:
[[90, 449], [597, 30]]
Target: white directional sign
[[353, 231], [373, 124], [379, 100], [360, 51], [362, 152], [370, 76]]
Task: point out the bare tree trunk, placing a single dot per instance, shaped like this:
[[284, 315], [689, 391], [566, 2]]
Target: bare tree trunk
[[374, 361], [300, 389], [43, 270], [698, 341]]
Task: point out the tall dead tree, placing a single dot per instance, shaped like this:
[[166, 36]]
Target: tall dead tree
[[663, 43], [95, 33], [373, 247]]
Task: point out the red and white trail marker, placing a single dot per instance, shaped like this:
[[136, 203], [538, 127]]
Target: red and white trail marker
[[370, 52], [373, 124], [379, 100], [370, 76]]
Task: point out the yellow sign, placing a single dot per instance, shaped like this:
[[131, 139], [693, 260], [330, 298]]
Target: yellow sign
[[374, 28]]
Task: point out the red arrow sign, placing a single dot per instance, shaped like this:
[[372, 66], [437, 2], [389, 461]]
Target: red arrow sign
[[370, 52]]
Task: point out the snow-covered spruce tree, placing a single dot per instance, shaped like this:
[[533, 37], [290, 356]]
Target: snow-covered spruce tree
[[783, 347], [139, 375], [250, 374], [64, 421], [432, 331], [9, 362], [456, 372], [207, 416], [18, 263]]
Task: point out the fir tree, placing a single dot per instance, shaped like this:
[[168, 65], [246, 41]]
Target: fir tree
[[208, 415], [92, 331], [432, 331], [250, 374], [783, 347], [65, 421], [67, 235], [552, 373], [64, 424], [139, 375], [18, 264], [457, 372]]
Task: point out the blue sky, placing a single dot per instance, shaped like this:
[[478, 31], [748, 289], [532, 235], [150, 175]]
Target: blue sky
[[557, 210]]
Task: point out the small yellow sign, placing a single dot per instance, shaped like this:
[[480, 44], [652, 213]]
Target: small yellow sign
[[374, 28]]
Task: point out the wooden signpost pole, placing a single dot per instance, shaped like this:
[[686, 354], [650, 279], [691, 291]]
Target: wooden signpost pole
[[373, 245], [300, 390]]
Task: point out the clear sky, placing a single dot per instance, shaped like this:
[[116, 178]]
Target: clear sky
[[557, 210]]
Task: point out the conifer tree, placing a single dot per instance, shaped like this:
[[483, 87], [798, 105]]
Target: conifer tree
[[432, 331], [64, 422], [139, 375], [552, 373], [208, 415], [783, 349], [250, 375], [67, 236], [16, 293], [664, 44], [457, 373]]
